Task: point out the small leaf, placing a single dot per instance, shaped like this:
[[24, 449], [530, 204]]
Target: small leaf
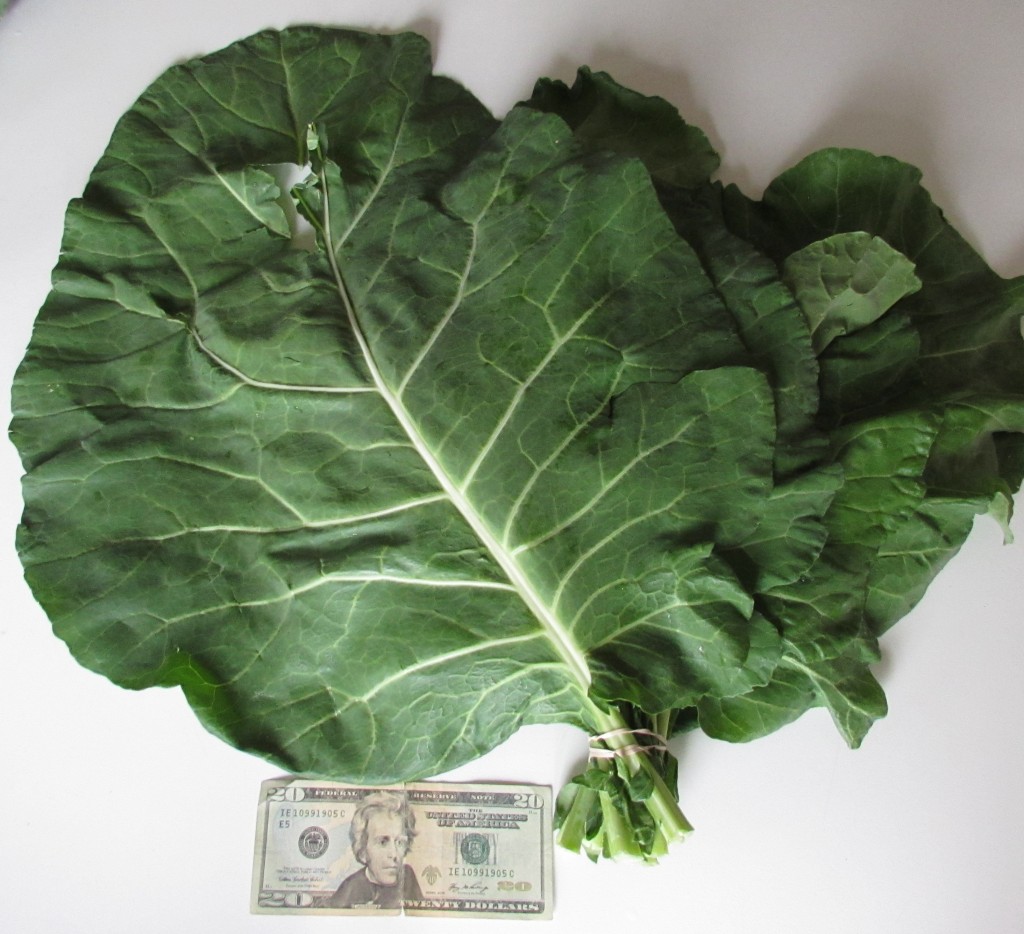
[[846, 282]]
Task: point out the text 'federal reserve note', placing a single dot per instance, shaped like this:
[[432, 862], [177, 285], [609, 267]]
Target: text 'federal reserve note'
[[431, 849]]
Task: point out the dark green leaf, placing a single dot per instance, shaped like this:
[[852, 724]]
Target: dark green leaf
[[605, 115], [377, 506]]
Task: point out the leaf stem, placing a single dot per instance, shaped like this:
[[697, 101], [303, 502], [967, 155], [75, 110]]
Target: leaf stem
[[623, 806]]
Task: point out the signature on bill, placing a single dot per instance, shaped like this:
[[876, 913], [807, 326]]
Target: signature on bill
[[469, 888]]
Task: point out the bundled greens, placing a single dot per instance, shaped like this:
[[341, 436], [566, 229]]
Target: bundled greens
[[546, 426]]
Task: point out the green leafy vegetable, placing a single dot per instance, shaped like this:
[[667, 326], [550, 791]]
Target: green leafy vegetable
[[547, 426], [846, 282]]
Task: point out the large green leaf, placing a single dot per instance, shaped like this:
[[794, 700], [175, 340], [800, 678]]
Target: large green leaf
[[477, 461]]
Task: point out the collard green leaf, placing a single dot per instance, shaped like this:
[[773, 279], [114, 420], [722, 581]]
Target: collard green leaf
[[844, 685], [772, 325], [605, 115], [760, 711], [791, 532], [868, 371], [847, 688], [947, 356], [913, 554], [829, 616], [846, 282], [374, 507]]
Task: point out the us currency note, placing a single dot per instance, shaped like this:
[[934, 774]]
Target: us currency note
[[431, 849]]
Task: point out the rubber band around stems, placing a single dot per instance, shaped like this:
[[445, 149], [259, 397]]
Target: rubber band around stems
[[626, 750]]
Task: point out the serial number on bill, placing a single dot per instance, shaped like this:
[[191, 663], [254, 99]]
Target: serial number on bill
[[490, 872], [311, 812]]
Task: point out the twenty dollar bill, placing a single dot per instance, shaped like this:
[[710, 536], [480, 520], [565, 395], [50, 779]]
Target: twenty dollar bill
[[418, 849]]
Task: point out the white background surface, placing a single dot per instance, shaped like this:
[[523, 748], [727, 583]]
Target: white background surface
[[119, 813]]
